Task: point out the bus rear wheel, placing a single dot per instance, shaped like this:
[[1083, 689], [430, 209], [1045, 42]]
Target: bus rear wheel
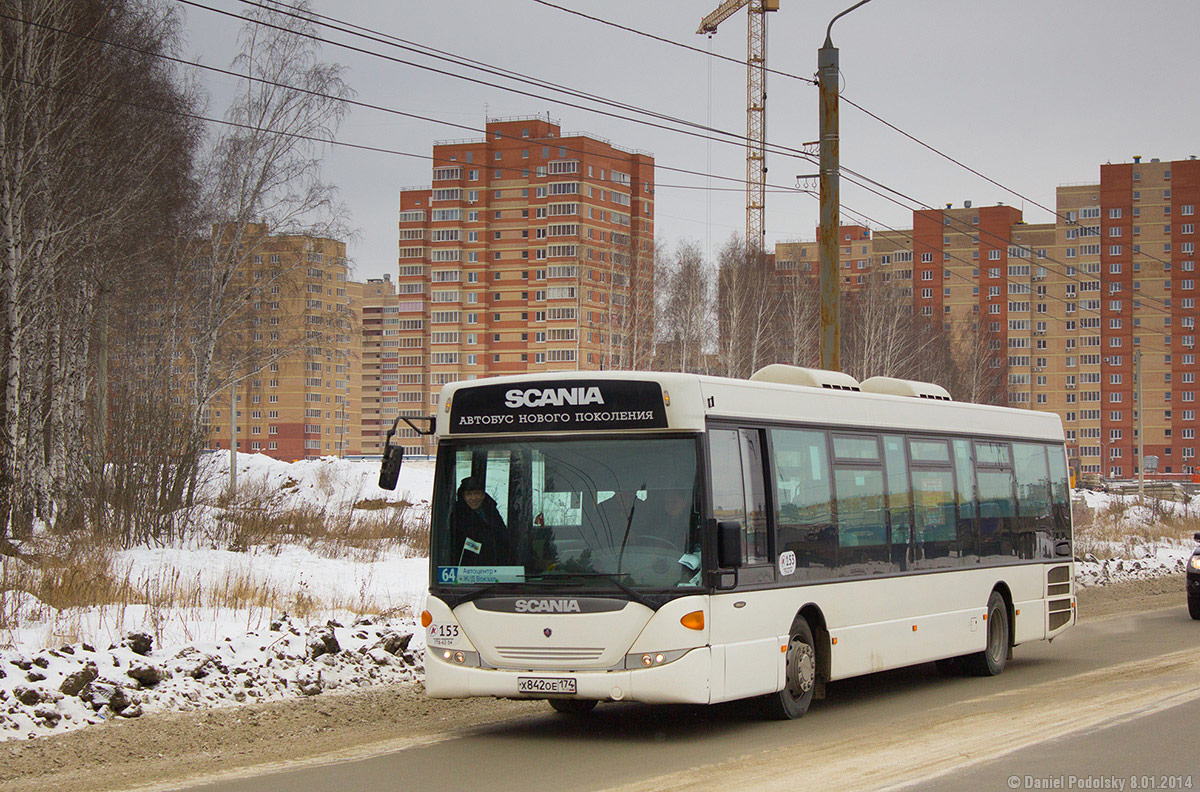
[[572, 706], [992, 659], [801, 675]]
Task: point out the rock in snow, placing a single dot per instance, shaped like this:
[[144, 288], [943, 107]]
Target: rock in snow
[[80, 686]]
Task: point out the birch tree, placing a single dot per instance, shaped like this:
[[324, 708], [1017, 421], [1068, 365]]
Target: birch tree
[[93, 161], [262, 178], [685, 299], [748, 305]]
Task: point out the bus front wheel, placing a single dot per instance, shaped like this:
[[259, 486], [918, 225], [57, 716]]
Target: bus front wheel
[[992, 659], [801, 675]]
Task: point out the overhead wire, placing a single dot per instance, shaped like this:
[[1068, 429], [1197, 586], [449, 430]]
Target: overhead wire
[[950, 158], [854, 177], [284, 9], [369, 106], [672, 42]]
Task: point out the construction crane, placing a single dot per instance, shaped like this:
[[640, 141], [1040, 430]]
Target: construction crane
[[756, 105]]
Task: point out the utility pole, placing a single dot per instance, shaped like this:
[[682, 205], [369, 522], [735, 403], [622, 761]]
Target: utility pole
[[827, 86], [831, 328], [1141, 458], [232, 433]]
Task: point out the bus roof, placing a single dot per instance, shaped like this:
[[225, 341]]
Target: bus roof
[[638, 401]]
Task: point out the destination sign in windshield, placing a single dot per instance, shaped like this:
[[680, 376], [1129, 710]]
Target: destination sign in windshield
[[558, 405]]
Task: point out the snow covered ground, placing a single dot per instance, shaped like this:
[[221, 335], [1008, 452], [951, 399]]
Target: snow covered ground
[[352, 608], [1128, 541], [62, 669]]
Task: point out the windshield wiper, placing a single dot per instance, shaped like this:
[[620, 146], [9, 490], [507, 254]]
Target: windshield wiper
[[615, 579]]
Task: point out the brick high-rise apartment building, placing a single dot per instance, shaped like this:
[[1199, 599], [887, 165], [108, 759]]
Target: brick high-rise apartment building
[[532, 251], [1066, 306], [380, 380], [306, 404]]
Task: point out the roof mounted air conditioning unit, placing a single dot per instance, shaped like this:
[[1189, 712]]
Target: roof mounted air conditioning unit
[[901, 387], [805, 377]]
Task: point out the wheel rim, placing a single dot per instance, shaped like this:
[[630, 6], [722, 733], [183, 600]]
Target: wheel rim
[[996, 636], [802, 668]]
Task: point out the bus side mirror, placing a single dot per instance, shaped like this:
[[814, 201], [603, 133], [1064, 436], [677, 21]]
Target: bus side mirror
[[1197, 536], [389, 471], [729, 545], [1062, 547]]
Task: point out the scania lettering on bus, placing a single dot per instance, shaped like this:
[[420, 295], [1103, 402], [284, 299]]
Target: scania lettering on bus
[[557, 397], [547, 606]]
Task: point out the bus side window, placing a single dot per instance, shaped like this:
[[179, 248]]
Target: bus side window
[[1035, 531], [725, 460], [899, 499], [1061, 494], [997, 501], [804, 516], [968, 544], [738, 490], [861, 511], [936, 535], [758, 550]]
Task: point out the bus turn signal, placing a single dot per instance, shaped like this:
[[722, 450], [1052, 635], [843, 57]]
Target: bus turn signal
[[693, 620]]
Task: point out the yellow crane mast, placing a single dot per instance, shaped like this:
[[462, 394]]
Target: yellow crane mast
[[756, 105]]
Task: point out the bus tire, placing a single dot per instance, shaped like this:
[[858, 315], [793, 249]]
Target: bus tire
[[800, 675], [992, 659], [1194, 606], [572, 706]]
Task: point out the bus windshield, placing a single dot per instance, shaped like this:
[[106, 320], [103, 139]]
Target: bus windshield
[[622, 509]]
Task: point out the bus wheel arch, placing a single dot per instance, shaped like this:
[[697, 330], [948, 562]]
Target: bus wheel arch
[[998, 627], [1002, 588], [816, 623]]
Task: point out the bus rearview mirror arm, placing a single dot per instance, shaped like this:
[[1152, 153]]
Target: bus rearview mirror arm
[[393, 456]]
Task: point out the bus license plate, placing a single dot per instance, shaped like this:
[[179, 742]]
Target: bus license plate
[[545, 685]]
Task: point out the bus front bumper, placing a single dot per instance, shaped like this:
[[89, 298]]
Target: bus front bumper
[[682, 681]]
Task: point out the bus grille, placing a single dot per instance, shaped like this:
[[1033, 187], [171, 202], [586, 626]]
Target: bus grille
[[550, 653], [1060, 613]]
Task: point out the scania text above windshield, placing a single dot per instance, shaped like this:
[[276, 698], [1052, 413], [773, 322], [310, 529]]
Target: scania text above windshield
[[583, 404]]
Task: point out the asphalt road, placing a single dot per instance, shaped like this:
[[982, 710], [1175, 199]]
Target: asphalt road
[[1117, 697]]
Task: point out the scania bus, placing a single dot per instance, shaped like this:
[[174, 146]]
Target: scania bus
[[663, 537]]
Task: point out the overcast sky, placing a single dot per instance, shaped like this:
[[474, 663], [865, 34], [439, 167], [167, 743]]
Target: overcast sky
[[1032, 93]]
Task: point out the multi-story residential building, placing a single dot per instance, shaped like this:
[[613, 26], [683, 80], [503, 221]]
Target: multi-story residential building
[[305, 402], [380, 363], [531, 251], [1065, 308]]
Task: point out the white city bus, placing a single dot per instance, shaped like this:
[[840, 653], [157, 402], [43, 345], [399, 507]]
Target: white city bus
[[658, 537]]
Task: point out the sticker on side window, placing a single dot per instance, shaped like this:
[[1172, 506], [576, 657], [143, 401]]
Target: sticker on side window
[[787, 562]]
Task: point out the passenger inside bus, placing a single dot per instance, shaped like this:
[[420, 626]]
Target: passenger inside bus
[[479, 534]]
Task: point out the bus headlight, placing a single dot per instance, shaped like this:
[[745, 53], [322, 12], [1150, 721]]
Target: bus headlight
[[653, 659], [1194, 563]]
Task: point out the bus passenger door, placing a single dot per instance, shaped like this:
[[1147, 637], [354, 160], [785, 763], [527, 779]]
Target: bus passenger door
[[743, 623]]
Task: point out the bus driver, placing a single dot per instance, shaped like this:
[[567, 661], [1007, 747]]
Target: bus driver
[[480, 536]]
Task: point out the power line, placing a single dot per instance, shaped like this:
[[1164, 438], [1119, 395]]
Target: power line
[[953, 273], [673, 43], [964, 225], [365, 105], [387, 39], [930, 147]]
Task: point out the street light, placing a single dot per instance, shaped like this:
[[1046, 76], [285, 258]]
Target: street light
[[827, 84]]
